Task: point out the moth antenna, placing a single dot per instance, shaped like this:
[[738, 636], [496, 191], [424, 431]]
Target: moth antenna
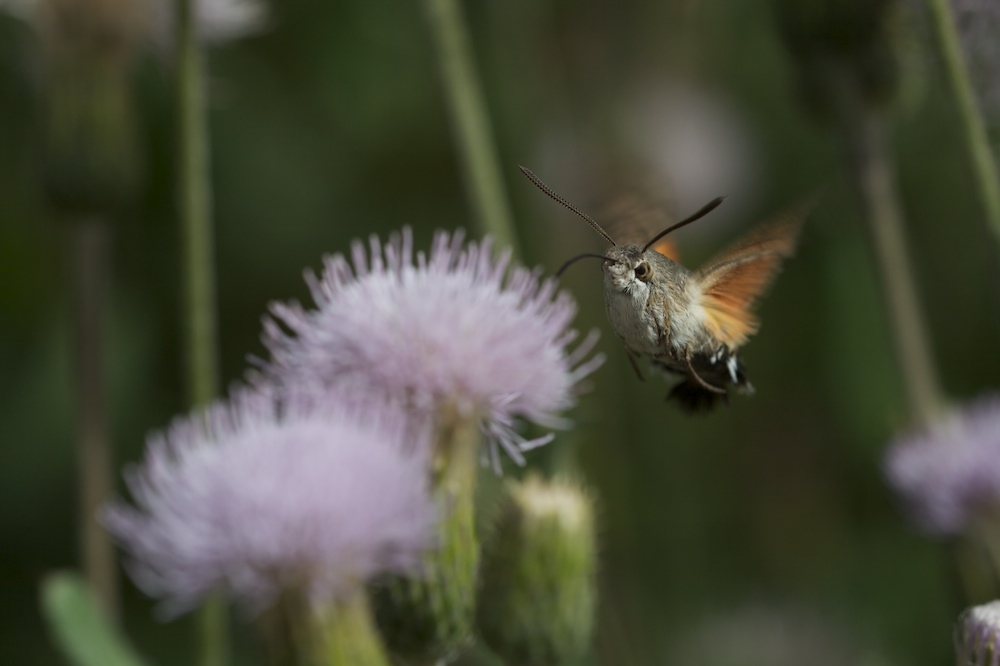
[[581, 256], [555, 197], [702, 212]]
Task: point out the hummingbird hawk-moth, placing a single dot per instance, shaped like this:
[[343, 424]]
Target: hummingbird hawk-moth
[[690, 324]]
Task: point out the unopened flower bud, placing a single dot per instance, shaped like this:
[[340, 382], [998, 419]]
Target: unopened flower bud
[[538, 594], [976, 635], [91, 160], [834, 42], [91, 155]]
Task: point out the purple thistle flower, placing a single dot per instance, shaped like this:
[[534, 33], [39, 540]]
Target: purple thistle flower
[[260, 496], [977, 635], [452, 328], [949, 475]]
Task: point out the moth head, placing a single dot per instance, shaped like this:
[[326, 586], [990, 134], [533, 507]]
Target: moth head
[[643, 271], [625, 265]]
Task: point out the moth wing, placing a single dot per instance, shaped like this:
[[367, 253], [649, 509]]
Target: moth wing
[[633, 217], [733, 281]]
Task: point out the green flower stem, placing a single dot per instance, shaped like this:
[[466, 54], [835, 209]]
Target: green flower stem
[[349, 637], [987, 534], [196, 213], [428, 619], [470, 121], [91, 169], [94, 458], [868, 156], [199, 277], [977, 142], [299, 633], [456, 453]]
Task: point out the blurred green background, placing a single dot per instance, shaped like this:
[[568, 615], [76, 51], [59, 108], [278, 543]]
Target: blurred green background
[[763, 523]]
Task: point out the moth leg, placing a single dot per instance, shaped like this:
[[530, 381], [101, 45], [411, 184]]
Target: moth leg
[[705, 385], [635, 365]]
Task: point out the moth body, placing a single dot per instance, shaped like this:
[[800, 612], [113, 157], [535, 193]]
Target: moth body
[[636, 308], [654, 306], [690, 324]]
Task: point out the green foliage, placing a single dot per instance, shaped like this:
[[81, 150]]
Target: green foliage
[[79, 625]]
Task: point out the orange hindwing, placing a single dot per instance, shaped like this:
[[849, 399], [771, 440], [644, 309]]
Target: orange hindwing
[[731, 283]]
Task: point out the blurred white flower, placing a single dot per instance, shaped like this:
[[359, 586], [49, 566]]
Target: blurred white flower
[[153, 20], [681, 146], [700, 146], [217, 21]]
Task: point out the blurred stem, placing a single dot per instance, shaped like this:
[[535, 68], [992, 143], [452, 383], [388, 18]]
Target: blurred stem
[[349, 637], [977, 141], [454, 568], [196, 213], [988, 535], [90, 239], [863, 128], [470, 121], [300, 632], [198, 260], [976, 566], [454, 467]]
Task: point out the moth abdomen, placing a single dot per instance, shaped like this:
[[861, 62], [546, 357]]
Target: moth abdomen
[[707, 382]]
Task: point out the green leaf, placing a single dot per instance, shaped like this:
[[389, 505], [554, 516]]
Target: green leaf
[[79, 625]]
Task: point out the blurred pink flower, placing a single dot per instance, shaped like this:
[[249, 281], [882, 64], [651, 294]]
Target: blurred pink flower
[[949, 475], [257, 496], [452, 328]]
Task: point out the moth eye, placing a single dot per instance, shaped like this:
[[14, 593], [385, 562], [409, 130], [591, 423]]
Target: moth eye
[[642, 271]]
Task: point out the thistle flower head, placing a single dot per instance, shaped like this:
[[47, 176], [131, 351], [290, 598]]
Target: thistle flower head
[[977, 635], [261, 496], [454, 327], [949, 475]]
